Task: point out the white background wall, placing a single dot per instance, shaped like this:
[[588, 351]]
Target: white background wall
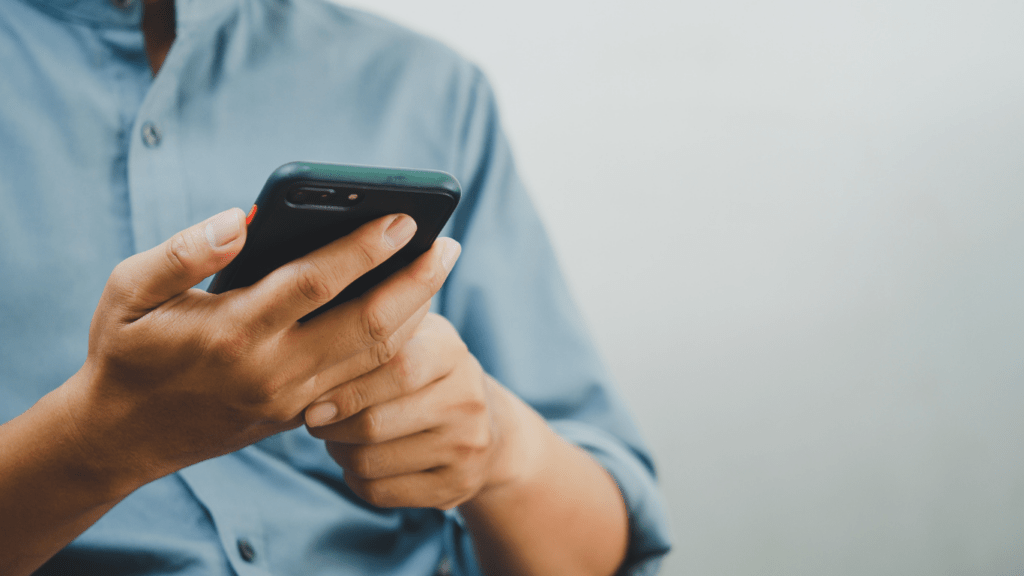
[[797, 231]]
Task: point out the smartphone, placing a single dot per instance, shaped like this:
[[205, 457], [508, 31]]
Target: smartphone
[[305, 205]]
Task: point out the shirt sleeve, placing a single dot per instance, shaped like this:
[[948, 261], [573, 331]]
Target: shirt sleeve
[[507, 298]]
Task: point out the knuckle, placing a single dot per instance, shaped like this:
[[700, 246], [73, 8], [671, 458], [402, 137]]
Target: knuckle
[[436, 276], [229, 347], [181, 251], [481, 439], [431, 276], [374, 322], [474, 443], [310, 283], [368, 253], [263, 395], [474, 405], [121, 270], [120, 280], [350, 400], [385, 351], [119, 360], [369, 428]]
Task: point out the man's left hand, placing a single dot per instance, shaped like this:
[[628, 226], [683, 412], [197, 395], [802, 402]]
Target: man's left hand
[[427, 429]]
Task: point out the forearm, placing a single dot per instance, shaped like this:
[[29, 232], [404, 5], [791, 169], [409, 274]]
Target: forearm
[[565, 517], [50, 492]]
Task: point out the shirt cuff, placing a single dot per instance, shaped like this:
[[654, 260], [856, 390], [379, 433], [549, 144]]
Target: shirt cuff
[[649, 533]]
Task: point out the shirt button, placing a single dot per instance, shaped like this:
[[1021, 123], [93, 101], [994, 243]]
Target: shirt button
[[246, 550], [150, 135]]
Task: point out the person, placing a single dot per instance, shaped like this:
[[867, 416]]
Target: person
[[456, 419]]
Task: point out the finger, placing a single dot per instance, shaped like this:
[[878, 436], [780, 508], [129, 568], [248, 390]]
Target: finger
[[431, 406], [424, 358], [415, 453], [369, 359], [307, 283], [150, 278], [400, 417], [371, 319], [363, 362], [438, 488]]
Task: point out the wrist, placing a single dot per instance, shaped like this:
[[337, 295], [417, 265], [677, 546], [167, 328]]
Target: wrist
[[95, 448], [525, 443], [52, 486], [550, 508]]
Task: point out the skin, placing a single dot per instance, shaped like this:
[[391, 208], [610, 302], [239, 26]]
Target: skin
[[175, 376], [158, 26]]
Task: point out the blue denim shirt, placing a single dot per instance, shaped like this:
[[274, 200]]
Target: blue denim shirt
[[100, 160]]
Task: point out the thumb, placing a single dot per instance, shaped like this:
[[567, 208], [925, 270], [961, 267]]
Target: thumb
[[183, 260]]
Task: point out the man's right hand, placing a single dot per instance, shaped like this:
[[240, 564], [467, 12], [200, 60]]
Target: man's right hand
[[176, 375]]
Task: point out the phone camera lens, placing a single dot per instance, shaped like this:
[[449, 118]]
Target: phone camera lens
[[309, 195], [350, 199], [330, 197]]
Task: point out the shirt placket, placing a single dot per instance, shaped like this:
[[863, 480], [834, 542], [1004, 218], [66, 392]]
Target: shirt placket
[[234, 510], [155, 184]]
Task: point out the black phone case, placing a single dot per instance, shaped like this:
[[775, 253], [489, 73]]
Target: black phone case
[[281, 231]]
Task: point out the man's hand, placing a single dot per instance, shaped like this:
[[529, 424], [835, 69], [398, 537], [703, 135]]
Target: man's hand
[[427, 429], [430, 429], [175, 375]]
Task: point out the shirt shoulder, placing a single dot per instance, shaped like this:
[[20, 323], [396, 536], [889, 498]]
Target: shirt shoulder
[[346, 26], [406, 98]]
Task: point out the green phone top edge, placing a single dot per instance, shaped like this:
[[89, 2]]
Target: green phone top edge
[[368, 175]]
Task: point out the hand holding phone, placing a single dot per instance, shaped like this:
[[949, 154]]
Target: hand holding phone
[[305, 205], [174, 376]]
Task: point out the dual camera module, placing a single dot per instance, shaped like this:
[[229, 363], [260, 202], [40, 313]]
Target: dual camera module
[[327, 197]]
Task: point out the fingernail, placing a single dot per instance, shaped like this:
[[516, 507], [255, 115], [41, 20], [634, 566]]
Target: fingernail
[[223, 228], [400, 230], [321, 413], [450, 254]]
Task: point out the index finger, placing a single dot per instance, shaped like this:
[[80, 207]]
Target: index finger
[[305, 284], [367, 321]]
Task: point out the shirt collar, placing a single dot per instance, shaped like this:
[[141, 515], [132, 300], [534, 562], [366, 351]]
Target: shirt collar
[[126, 13]]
